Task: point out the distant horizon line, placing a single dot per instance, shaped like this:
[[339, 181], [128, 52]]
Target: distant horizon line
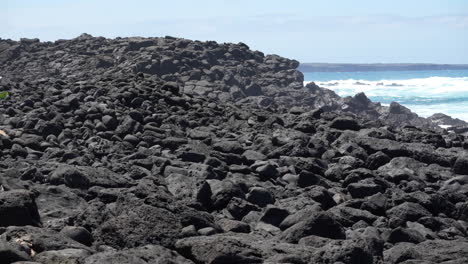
[[359, 67], [384, 63]]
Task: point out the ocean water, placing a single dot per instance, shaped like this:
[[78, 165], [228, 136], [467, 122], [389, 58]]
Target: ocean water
[[424, 92]]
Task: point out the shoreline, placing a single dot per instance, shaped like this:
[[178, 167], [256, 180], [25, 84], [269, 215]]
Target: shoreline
[[409, 106]]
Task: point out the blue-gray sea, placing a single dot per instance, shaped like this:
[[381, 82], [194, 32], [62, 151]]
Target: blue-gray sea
[[424, 92]]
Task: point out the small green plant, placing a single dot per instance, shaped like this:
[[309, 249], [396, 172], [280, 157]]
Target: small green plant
[[4, 94]]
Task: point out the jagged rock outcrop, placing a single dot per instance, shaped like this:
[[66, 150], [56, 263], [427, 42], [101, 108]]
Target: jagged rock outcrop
[[452, 124], [150, 150]]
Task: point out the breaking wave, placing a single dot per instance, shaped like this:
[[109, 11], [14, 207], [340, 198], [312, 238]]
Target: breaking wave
[[425, 96], [433, 86]]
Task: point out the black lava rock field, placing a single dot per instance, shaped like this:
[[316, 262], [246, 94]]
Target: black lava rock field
[[167, 150]]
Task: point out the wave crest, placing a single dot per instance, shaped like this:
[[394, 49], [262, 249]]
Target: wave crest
[[434, 86], [425, 96]]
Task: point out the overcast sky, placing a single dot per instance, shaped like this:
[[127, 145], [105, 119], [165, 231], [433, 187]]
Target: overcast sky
[[353, 31]]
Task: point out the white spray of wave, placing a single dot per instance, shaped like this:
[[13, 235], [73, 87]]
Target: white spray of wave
[[432, 86], [425, 96]]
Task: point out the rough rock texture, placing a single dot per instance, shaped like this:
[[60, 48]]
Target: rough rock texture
[[166, 150], [442, 119]]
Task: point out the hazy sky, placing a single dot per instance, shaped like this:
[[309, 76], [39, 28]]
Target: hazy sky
[[307, 30]]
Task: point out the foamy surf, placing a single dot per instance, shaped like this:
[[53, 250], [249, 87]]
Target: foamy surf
[[424, 96], [421, 86]]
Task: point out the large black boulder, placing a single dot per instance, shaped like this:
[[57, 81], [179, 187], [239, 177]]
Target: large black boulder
[[18, 208], [345, 124], [461, 166], [320, 224]]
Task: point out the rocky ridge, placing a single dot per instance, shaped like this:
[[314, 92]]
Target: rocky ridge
[[166, 150]]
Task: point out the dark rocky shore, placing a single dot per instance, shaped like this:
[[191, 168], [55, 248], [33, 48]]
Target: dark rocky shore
[[165, 150]]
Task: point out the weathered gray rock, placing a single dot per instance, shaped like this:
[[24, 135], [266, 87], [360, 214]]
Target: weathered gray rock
[[150, 254], [219, 249], [320, 224], [71, 256], [406, 211]]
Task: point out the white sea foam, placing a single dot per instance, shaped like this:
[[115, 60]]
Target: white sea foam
[[434, 86], [424, 96]]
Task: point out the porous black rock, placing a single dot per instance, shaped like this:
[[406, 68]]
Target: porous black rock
[[167, 150], [320, 224], [18, 208], [78, 234], [461, 166]]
